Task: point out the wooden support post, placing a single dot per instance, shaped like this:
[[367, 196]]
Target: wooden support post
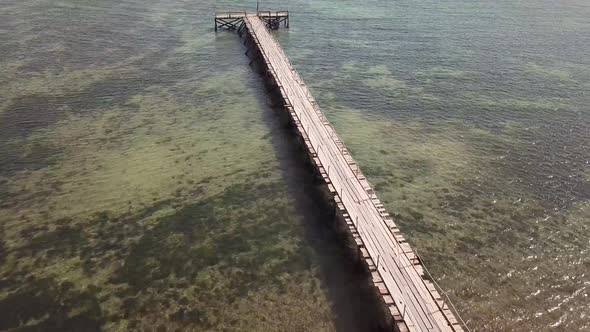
[[241, 28]]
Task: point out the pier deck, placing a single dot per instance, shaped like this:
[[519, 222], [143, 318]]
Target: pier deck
[[397, 272]]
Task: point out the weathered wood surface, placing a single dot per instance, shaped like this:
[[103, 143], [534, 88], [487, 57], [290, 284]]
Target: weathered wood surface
[[397, 271]]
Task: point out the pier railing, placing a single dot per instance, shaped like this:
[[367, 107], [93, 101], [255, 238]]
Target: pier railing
[[231, 14], [268, 13]]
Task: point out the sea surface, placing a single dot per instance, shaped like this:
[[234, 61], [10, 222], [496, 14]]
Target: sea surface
[[147, 184]]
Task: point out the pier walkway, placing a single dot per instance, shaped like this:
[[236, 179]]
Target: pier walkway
[[397, 272]]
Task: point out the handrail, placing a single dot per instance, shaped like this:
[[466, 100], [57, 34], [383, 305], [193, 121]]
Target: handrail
[[268, 13], [441, 291], [263, 13], [231, 14]]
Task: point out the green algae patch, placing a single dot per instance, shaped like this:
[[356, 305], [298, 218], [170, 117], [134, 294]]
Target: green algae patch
[[381, 77], [443, 73], [550, 73], [152, 211], [182, 269], [492, 241], [519, 106]]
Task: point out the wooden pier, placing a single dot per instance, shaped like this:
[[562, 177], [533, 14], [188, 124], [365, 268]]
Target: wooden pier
[[411, 301]]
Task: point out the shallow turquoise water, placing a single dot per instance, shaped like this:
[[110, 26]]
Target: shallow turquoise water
[[144, 181]]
